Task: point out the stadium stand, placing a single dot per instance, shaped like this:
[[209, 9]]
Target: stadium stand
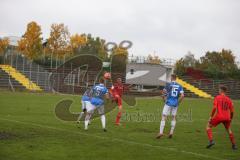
[[211, 86], [34, 72], [193, 89], [28, 84], [7, 82]]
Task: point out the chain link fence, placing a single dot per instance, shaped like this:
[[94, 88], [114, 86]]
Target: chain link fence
[[69, 80], [75, 80]]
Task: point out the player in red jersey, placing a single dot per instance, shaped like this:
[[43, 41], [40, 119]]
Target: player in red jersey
[[116, 92], [222, 112]]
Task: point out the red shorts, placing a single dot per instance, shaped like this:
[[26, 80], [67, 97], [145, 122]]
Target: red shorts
[[216, 121], [118, 99]]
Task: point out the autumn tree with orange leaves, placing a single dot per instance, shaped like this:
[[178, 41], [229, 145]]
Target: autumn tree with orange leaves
[[58, 44], [4, 43], [30, 44], [77, 41]]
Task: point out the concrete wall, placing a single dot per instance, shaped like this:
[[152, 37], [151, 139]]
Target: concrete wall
[[148, 74]]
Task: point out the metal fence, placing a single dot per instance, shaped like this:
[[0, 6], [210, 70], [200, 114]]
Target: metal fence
[[72, 82], [69, 80], [212, 86], [75, 81], [144, 59]]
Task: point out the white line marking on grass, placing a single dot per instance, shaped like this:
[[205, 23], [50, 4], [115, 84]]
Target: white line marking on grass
[[116, 139], [193, 120]]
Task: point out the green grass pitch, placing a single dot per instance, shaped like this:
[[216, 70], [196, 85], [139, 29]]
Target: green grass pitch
[[29, 129]]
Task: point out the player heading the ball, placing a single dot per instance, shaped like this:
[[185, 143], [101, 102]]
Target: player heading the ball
[[97, 102]]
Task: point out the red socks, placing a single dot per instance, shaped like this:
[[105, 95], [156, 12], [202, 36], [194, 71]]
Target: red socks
[[232, 138], [209, 133], [118, 117], [210, 136]]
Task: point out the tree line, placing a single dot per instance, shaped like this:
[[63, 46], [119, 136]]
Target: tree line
[[59, 45], [214, 64]]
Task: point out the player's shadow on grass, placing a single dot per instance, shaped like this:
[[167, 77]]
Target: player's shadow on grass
[[63, 112]]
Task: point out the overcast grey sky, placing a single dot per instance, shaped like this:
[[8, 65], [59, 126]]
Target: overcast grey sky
[[171, 28]]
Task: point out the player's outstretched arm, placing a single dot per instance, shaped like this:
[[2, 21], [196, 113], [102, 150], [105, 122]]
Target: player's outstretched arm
[[231, 110], [181, 98], [163, 94], [213, 112], [214, 108], [164, 98], [232, 113]]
